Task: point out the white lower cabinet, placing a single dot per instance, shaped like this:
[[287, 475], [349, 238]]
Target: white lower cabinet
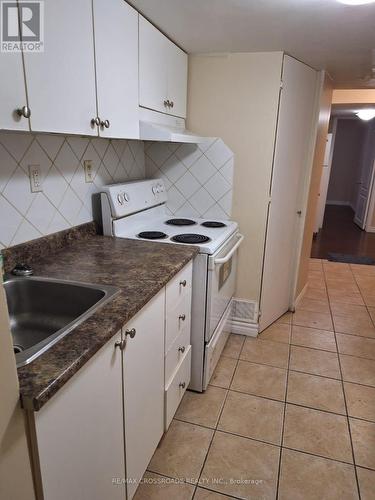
[[94, 439]]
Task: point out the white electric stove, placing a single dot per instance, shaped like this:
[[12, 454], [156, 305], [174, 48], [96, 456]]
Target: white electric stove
[[137, 210]]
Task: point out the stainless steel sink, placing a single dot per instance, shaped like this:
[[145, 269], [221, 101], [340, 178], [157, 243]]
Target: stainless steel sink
[[44, 310]]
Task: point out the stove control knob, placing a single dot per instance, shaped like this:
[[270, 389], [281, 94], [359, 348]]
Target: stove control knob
[[154, 189], [120, 199], [126, 197], [158, 188], [161, 188]]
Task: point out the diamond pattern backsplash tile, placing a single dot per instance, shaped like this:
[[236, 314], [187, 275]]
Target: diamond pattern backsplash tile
[[66, 199], [198, 178]]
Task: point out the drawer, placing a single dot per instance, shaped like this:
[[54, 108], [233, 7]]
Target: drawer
[[176, 353], [177, 387], [179, 287], [178, 320]]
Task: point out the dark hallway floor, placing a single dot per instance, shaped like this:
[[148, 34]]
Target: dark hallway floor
[[340, 235]]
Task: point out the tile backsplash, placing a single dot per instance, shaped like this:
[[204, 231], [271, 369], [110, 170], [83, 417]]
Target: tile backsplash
[[199, 178], [66, 199]]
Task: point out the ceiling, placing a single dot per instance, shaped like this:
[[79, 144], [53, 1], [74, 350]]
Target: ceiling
[[348, 110], [322, 33]]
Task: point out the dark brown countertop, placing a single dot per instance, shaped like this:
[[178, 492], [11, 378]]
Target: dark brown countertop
[[140, 269]]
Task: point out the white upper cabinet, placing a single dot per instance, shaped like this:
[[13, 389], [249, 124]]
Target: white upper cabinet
[[162, 72], [61, 80], [13, 102], [116, 57]]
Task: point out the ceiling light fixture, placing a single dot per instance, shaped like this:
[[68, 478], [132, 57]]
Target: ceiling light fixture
[[366, 114], [356, 2]]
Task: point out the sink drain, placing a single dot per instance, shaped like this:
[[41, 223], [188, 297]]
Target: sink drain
[[17, 349]]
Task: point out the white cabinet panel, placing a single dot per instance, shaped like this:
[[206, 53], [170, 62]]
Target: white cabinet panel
[[177, 387], [116, 55], [12, 92], [79, 433], [144, 388], [177, 79], [61, 80], [153, 66]]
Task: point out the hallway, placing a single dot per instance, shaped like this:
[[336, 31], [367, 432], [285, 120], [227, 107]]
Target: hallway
[[289, 415], [341, 235]]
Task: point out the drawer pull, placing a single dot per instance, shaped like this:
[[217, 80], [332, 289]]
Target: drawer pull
[[183, 282], [181, 349], [182, 317], [182, 385], [131, 333]]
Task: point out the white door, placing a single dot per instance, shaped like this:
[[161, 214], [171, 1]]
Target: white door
[[12, 93], [143, 369], [61, 80], [177, 80], [324, 182], [294, 129], [116, 55], [363, 197], [79, 433], [153, 67]]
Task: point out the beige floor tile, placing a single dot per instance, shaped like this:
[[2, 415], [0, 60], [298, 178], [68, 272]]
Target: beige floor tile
[[354, 326], [366, 479], [339, 267], [253, 417], [316, 293], [316, 362], [339, 284], [358, 370], [265, 352], [315, 274], [322, 321], [278, 332], [285, 318], [356, 346], [202, 494], [371, 311], [363, 269], [317, 283], [233, 346], [156, 487], [363, 437], [260, 380], [248, 468], [305, 477], [317, 432], [369, 299], [344, 297], [311, 337], [366, 283], [340, 309], [313, 305], [316, 392], [223, 373], [202, 408], [360, 400], [182, 451]]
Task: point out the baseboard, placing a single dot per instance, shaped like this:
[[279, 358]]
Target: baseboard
[[242, 328], [300, 297], [339, 203], [370, 229]]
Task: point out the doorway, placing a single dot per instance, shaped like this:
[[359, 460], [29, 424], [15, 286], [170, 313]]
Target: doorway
[[345, 218]]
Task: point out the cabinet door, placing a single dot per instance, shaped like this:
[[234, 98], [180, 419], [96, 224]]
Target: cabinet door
[[12, 92], [153, 67], [61, 80], [79, 433], [144, 389], [177, 79], [116, 55]]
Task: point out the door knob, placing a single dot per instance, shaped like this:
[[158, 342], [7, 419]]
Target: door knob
[[25, 111], [131, 333], [95, 121]]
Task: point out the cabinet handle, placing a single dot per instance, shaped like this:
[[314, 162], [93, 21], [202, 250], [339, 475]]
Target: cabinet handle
[[131, 333], [95, 121], [182, 317], [167, 103], [171, 104], [183, 283], [25, 111], [182, 385], [105, 124], [181, 349], [120, 344]]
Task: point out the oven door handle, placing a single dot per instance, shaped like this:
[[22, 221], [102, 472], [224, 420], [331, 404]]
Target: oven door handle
[[223, 260]]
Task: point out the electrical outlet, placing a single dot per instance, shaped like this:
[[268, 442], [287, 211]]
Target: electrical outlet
[[36, 185], [89, 175]]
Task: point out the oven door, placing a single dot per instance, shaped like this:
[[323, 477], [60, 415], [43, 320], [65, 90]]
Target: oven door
[[221, 282]]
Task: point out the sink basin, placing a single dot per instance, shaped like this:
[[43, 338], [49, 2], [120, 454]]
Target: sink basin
[[43, 310]]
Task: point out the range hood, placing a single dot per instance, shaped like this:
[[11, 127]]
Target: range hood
[[155, 126]]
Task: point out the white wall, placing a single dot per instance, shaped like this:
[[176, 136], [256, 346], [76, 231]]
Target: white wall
[[67, 199], [199, 178]]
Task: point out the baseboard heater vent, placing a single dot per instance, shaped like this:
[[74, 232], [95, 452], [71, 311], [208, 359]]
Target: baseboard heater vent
[[245, 317]]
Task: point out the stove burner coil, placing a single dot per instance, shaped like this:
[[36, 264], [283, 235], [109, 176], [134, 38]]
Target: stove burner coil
[[191, 239], [180, 222], [213, 223], [152, 235]]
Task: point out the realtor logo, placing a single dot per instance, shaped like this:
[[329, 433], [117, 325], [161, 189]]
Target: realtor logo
[[22, 26]]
